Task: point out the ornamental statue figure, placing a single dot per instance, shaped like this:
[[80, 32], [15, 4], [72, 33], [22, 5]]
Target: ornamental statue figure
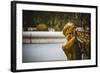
[[71, 47]]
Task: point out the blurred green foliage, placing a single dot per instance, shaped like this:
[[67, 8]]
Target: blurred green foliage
[[55, 20]]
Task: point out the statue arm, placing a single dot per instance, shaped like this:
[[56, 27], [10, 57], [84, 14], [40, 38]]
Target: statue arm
[[69, 43]]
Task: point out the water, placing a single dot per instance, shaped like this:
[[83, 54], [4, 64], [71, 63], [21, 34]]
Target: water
[[43, 52]]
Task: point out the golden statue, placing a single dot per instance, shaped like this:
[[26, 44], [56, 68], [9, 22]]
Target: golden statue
[[71, 46]]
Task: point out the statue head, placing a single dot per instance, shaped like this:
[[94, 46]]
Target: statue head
[[69, 30]]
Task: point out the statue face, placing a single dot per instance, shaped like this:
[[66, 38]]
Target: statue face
[[69, 30], [69, 34]]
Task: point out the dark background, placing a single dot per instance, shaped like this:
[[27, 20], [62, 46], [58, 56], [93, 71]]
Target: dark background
[[55, 19]]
